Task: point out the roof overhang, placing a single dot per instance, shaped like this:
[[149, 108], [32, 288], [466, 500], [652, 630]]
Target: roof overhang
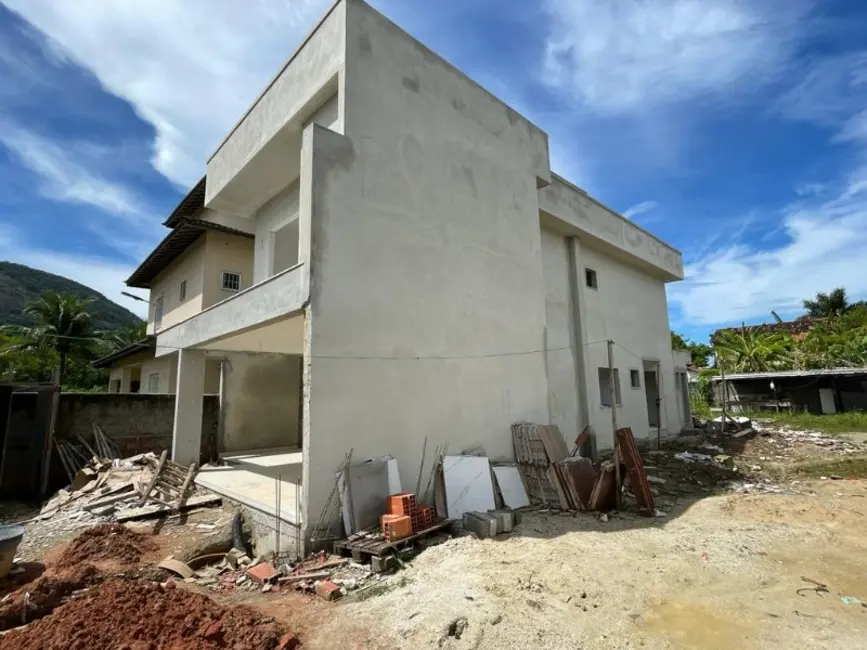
[[782, 374], [148, 343], [185, 233], [190, 206]]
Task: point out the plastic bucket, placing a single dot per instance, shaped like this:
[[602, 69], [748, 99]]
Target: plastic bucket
[[10, 538]]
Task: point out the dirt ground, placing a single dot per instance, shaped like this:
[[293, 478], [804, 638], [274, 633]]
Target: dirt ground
[[768, 550], [724, 572]]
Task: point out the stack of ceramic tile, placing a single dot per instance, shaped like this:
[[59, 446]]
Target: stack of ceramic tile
[[551, 477]]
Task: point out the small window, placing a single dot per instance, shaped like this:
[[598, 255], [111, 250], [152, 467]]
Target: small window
[[231, 281], [590, 278], [635, 379], [183, 290], [154, 383], [158, 313], [605, 389]]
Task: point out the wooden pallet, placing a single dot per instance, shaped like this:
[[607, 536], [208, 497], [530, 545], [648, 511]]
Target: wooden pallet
[[362, 546]]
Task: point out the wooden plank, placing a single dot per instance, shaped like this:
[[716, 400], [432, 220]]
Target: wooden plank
[[186, 486], [152, 511], [150, 487], [635, 468], [552, 439], [604, 495], [107, 501]]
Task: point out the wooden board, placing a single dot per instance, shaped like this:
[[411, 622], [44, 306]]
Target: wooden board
[[604, 495], [553, 441], [152, 511], [635, 469]]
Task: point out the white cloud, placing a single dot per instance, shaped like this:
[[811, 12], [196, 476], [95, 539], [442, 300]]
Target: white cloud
[[188, 68], [618, 56], [65, 178], [103, 275], [831, 91], [639, 208], [826, 242]]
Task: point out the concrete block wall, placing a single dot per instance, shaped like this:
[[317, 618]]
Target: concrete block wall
[[136, 422]]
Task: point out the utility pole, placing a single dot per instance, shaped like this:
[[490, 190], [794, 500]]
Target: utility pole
[[613, 396], [725, 394]]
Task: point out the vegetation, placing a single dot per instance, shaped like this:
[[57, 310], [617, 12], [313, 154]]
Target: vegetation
[[839, 339], [835, 337], [849, 422], [700, 351], [60, 339], [21, 285]]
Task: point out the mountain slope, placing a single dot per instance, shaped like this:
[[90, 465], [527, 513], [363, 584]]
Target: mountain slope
[[21, 285]]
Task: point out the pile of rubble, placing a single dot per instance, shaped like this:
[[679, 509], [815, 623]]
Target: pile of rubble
[[329, 577], [121, 490]]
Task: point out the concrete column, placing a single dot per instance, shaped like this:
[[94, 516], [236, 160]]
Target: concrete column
[[187, 434], [585, 379]]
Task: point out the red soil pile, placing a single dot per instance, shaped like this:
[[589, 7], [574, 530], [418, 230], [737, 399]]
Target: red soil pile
[[44, 594], [106, 542], [139, 615]]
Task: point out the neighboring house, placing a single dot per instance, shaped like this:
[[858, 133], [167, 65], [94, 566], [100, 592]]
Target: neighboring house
[[798, 328], [417, 272], [201, 262], [821, 391]]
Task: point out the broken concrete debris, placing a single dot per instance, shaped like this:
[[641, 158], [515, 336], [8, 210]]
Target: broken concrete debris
[[138, 487]]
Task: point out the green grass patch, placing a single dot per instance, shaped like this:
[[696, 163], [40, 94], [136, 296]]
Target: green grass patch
[[851, 422], [846, 468]]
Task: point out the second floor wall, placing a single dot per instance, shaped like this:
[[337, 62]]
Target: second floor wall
[[212, 269]]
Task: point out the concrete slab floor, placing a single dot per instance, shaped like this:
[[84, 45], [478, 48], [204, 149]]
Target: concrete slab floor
[[282, 462], [254, 489]]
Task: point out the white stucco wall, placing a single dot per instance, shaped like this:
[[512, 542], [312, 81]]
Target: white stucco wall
[[225, 252], [427, 291], [189, 266], [167, 369], [251, 164], [630, 308], [277, 213], [605, 229]]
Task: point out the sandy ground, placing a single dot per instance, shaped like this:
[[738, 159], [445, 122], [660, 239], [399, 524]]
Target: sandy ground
[[722, 573], [723, 570]]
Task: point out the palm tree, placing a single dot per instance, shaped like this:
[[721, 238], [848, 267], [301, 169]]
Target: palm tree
[[119, 339], [62, 323], [753, 350], [827, 304]]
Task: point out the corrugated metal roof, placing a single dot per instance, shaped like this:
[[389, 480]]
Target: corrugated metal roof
[[779, 374]]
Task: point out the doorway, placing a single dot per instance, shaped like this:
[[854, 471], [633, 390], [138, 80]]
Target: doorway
[[651, 392]]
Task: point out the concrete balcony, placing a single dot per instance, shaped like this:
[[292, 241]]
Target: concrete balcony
[[267, 317]]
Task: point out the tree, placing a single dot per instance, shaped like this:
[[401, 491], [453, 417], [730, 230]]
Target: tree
[[124, 337], [62, 325], [754, 350], [699, 351], [826, 305]]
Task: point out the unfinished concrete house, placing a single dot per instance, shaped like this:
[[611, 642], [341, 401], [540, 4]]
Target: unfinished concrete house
[[417, 272]]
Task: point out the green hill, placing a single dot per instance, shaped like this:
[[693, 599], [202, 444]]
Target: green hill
[[21, 285]]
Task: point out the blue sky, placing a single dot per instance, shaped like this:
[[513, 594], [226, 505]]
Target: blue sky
[[736, 130]]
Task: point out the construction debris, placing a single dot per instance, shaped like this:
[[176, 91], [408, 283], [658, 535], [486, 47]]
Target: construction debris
[[556, 479], [116, 491]]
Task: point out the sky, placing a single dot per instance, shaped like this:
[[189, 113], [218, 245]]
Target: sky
[[735, 130]]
